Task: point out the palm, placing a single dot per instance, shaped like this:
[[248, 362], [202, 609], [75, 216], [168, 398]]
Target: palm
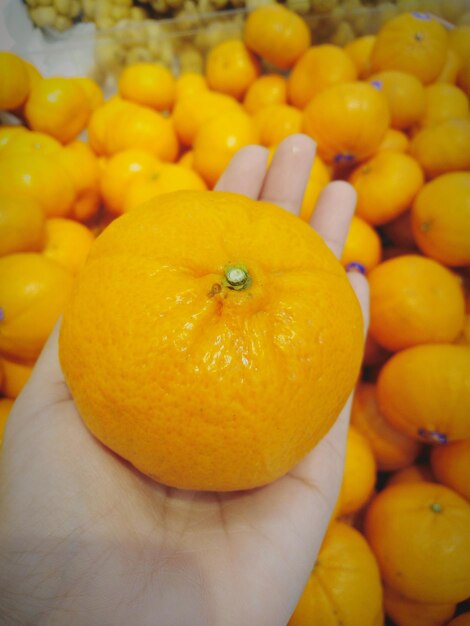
[[236, 558]]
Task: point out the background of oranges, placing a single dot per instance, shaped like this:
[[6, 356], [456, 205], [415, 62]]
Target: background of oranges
[[398, 128]]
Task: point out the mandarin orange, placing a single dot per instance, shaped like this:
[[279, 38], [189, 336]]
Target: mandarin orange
[[264, 91], [15, 85], [451, 466], [424, 392], [443, 147], [414, 300], [219, 139], [344, 586], [59, 107], [392, 450], [231, 68], [149, 84], [386, 186], [21, 225], [320, 67], [348, 121], [199, 321], [405, 612], [33, 291], [411, 42], [359, 473], [420, 534], [440, 218], [277, 34]]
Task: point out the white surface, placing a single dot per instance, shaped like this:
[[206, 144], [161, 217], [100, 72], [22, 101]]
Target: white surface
[[54, 55]]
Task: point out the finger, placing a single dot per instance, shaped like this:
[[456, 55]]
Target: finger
[[245, 173], [361, 289], [333, 214], [47, 383], [288, 173]]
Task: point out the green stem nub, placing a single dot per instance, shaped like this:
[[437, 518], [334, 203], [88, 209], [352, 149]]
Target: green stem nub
[[436, 507], [237, 277]]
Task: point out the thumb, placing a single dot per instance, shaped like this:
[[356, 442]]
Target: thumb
[[46, 385]]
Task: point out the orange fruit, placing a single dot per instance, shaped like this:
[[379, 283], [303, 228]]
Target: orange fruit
[[163, 179], [359, 51], [362, 245], [264, 91], [16, 375], [461, 620], [149, 84], [420, 534], [318, 68], [58, 107], [5, 407], [386, 185], [21, 225], [219, 139], [231, 68], [392, 450], [405, 612], [443, 102], [119, 171], [450, 71], [348, 121], [136, 126], [7, 133], [15, 85], [423, 392], [412, 474], [83, 168], [187, 159], [404, 94], [441, 218], [359, 473], [101, 121], [192, 111], [344, 586], [39, 177], [33, 291], [459, 40], [414, 300], [451, 465], [198, 271], [92, 90], [411, 42], [188, 84], [276, 122], [31, 141], [67, 243], [442, 148], [277, 34], [33, 73], [319, 177], [394, 140]]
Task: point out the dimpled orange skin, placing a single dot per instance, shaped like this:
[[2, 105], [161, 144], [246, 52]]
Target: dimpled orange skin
[[198, 385]]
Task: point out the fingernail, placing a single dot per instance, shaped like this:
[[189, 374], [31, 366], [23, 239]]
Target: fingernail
[[354, 266]]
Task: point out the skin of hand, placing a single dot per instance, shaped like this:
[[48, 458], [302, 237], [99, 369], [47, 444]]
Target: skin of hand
[[85, 539]]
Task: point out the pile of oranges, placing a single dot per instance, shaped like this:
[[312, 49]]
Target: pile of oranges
[[389, 113]]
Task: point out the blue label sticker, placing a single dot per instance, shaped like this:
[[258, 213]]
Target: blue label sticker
[[421, 16]]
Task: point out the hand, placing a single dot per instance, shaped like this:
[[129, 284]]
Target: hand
[[87, 540]]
